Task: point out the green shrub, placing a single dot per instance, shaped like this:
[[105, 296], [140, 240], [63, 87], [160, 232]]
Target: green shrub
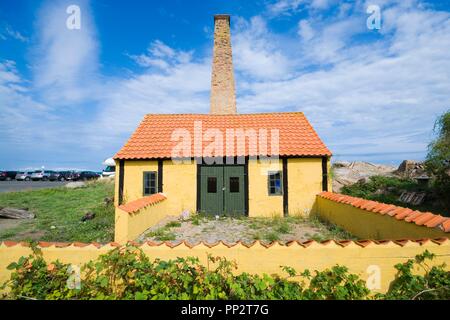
[[127, 273], [434, 284]]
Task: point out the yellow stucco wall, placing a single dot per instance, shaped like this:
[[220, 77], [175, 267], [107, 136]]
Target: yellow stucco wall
[[133, 178], [179, 183], [180, 186], [304, 183], [369, 225], [129, 226], [259, 202], [372, 262]]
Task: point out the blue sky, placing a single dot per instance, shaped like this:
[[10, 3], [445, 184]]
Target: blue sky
[[71, 98]]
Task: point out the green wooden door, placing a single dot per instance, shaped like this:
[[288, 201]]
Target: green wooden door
[[222, 190], [212, 189], [234, 192]]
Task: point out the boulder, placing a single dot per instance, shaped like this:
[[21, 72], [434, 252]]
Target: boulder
[[88, 216], [13, 213], [75, 184], [413, 170], [347, 173]]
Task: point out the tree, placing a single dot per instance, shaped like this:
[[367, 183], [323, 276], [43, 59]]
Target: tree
[[438, 159]]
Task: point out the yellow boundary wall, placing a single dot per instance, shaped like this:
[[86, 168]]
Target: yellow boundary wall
[[129, 226], [372, 261], [367, 224]]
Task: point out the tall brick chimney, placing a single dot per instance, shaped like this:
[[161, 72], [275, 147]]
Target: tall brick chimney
[[223, 95]]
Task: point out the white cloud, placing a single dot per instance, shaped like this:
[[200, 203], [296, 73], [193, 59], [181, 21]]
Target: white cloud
[[17, 107], [9, 32], [65, 61], [255, 53], [284, 7], [290, 7], [161, 56], [382, 96], [181, 87], [305, 31]]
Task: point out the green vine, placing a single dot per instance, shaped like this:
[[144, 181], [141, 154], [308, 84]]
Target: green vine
[[127, 273]]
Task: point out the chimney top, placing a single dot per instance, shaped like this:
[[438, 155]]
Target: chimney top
[[223, 96], [222, 16]]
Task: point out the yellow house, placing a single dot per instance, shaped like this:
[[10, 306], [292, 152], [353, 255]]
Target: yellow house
[[264, 164]]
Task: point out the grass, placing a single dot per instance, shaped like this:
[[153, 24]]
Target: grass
[[59, 212], [165, 233], [329, 231]]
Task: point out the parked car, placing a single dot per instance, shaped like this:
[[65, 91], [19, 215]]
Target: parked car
[[43, 175], [86, 175], [67, 175], [7, 175], [61, 175], [24, 175], [54, 176]]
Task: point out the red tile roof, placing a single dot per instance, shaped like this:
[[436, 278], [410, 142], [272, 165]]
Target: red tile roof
[[426, 219], [141, 203], [152, 139]]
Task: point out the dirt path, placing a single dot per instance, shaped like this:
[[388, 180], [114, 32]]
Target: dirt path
[[243, 229]]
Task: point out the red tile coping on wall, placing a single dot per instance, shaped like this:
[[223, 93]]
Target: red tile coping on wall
[[426, 219], [136, 205], [173, 244]]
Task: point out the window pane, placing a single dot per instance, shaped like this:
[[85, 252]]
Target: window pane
[[234, 184], [212, 185], [150, 183], [274, 183]]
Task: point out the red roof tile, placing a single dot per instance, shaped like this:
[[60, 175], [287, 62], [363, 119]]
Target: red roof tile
[[153, 137], [141, 203], [169, 244], [426, 219]]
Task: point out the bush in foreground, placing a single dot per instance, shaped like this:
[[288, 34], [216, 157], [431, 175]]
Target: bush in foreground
[[127, 273]]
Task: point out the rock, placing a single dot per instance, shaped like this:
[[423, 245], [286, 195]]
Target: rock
[[13, 213], [88, 216], [341, 164], [185, 215], [413, 170], [75, 184], [363, 180], [108, 200], [347, 173]]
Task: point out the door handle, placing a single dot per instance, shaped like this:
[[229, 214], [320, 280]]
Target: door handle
[[223, 189]]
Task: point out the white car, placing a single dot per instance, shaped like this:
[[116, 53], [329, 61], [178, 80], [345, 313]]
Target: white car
[[24, 175], [43, 175]]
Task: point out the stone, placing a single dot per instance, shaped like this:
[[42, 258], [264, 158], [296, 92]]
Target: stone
[[185, 215], [88, 216], [13, 213], [75, 184]]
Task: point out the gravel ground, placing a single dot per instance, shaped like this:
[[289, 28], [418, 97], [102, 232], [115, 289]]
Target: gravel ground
[[245, 229]]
